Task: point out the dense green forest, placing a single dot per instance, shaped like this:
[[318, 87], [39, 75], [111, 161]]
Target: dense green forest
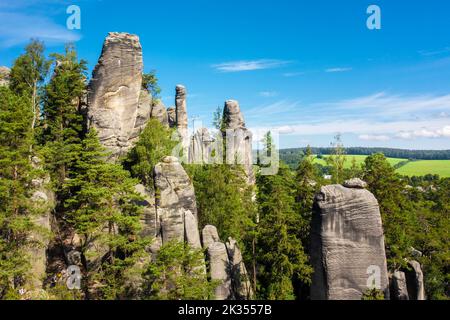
[[42, 116]]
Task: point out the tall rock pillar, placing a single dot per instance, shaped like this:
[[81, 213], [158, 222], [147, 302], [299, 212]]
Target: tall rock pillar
[[347, 243]]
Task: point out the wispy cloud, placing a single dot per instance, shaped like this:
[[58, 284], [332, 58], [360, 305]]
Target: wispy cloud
[[374, 137], [19, 28], [335, 70], [249, 65], [425, 133], [268, 94], [434, 52]]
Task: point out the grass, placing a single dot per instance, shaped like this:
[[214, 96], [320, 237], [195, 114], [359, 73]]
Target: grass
[[412, 168], [423, 167]]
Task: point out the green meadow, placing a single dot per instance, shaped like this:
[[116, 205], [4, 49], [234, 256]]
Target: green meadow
[[411, 168]]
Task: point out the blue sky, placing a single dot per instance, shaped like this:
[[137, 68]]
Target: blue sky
[[308, 69]]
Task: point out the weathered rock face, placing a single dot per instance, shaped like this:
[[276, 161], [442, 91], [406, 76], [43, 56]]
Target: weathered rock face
[[239, 278], [226, 266], [347, 244], [219, 269], [238, 139], [150, 223], [159, 112], [414, 281], [205, 149], [4, 76], [174, 187], [43, 201], [115, 90], [144, 110], [172, 117], [397, 285], [181, 115]]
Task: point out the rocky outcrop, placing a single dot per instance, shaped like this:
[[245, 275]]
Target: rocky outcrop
[[398, 287], [226, 266], [159, 112], [205, 149], [414, 281], [149, 220], [347, 244], [4, 76], [114, 93], [240, 280], [181, 115], [172, 117], [42, 202], [238, 139]]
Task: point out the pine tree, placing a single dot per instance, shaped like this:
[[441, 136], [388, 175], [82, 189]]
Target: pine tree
[[396, 212], [103, 206], [280, 253], [178, 274], [27, 76], [337, 160], [16, 209], [62, 113], [155, 142]]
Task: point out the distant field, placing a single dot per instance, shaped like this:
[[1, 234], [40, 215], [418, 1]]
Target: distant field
[[359, 160], [423, 167], [413, 168]]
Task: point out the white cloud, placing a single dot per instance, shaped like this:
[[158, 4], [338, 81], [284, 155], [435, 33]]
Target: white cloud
[[372, 137], [249, 65], [425, 133], [268, 94], [334, 70], [18, 28]]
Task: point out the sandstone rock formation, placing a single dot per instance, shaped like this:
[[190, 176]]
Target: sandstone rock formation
[[238, 139], [239, 278], [347, 244], [398, 287], [4, 76], [172, 117], [205, 149], [43, 201], [226, 266], [150, 223], [115, 91], [181, 115], [414, 281], [159, 112]]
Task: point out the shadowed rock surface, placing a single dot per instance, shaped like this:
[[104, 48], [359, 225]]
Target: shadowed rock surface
[[398, 288], [159, 112], [219, 269], [414, 281], [172, 117], [346, 243], [242, 288]]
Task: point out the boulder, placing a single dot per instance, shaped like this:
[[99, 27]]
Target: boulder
[[355, 183], [114, 93], [347, 244]]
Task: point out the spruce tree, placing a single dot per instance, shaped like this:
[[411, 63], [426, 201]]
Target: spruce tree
[[16, 209], [102, 206], [27, 76], [62, 113], [280, 253]]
